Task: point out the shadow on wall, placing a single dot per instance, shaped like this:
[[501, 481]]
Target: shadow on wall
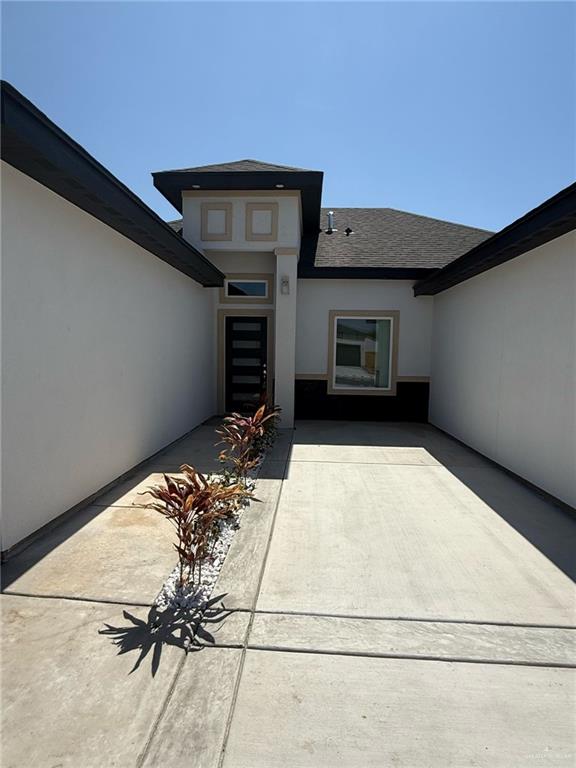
[[197, 448]]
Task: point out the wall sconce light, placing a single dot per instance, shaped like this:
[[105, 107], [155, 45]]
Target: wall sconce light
[[285, 284]]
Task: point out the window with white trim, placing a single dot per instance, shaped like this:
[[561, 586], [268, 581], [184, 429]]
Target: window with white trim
[[362, 355]]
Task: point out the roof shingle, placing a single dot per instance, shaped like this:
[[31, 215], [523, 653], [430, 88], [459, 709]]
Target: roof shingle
[[240, 165], [385, 237]]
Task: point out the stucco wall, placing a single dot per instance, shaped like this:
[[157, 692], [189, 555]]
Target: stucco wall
[[504, 365], [317, 297], [288, 220], [107, 355]]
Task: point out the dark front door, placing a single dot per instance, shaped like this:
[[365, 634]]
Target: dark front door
[[246, 362]]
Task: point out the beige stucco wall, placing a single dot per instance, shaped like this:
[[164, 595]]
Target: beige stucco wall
[[107, 355], [288, 219], [503, 375], [317, 297]]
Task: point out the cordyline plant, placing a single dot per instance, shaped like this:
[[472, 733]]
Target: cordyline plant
[[247, 437], [196, 505]]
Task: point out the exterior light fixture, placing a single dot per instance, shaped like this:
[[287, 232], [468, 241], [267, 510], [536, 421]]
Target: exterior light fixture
[[195, 186], [279, 186], [285, 285]]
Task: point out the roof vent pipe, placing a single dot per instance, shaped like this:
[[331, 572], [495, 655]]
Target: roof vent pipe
[[331, 227]]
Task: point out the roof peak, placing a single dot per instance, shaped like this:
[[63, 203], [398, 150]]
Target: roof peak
[[245, 165]]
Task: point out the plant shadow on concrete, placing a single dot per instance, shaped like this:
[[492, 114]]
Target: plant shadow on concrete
[[198, 507], [184, 628]]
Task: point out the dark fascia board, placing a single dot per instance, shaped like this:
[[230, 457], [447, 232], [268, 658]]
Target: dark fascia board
[[37, 147], [555, 217], [363, 273], [309, 183]]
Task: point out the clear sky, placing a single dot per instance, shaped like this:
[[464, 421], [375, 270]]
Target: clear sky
[[459, 110]]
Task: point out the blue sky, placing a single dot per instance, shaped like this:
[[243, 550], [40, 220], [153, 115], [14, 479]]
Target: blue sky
[[459, 110]]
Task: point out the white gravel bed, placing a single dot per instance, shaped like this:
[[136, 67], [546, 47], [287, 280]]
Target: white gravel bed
[[195, 596]]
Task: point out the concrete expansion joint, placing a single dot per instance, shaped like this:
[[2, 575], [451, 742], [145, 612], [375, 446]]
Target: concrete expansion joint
[[144, 754], [420, 619], [97, 600], [252, 611], [410, 657]]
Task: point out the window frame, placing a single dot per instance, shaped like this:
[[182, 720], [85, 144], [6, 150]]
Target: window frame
[[248, 277], [378, 314]]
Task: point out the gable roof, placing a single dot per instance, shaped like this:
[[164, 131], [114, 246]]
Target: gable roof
[[239, 165], [553, 218], [385, 238], [36, 146]]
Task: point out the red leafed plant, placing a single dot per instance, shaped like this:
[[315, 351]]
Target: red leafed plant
[[195, 505], [247, 437]]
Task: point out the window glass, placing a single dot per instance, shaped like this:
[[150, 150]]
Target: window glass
[[256, 288], [362, 354]]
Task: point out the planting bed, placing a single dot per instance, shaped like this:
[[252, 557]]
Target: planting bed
[[195, 596], [206, 511]]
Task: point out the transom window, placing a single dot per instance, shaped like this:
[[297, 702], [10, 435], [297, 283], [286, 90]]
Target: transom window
[[247, 288], [363, 352]]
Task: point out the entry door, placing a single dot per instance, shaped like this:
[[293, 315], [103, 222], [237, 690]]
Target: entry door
[[246, 362]]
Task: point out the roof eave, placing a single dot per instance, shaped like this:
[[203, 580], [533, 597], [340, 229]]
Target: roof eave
[[36, 146], [553, 218], [363, 273], [309, 183]]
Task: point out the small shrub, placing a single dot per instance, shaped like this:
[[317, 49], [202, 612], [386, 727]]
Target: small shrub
[[196, 505], [265, 441], [247, 437]]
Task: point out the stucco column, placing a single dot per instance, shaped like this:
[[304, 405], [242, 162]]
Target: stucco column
[[285, 332]]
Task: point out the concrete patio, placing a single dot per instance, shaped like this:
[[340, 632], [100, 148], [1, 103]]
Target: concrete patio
[[398, 600]]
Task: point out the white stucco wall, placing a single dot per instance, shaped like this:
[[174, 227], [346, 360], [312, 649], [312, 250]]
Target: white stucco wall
[[503, 376], [107, 355], [317, 297]]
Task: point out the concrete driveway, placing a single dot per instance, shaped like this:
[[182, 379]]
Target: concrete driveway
[[398, 601]]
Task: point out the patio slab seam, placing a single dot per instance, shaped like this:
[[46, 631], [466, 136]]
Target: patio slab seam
[[433, 620], [235, 638], [74, 598], [245, 645], [407, 657]]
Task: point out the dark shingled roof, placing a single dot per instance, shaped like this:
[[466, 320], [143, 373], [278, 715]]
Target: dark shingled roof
[[176, 225], [385, 237], [239, 165], [382, 239]]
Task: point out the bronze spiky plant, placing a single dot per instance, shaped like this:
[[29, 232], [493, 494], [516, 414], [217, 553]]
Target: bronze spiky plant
[[195, 505], [245, 438]]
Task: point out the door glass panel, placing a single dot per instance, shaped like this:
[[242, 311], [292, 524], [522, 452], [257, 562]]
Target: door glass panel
[[246, 397], [245, 344], [245, 361], [246, 379], [246, 326]]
